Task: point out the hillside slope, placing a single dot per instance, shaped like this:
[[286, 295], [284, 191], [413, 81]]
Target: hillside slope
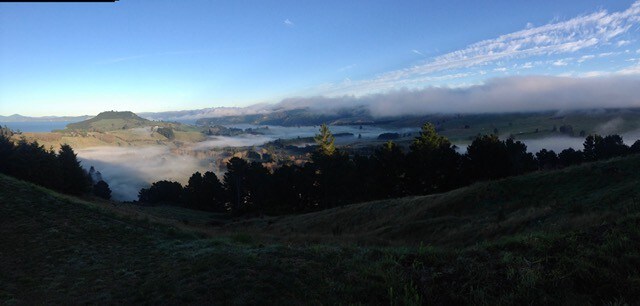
[[56, 249], [550, 201], [562, 237]]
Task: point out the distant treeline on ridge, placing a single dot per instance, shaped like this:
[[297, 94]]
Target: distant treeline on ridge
[[333, 178]]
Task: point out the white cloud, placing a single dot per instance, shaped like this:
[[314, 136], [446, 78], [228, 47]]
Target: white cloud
[[621, 43], [560, 62], [214, 112], [500, 69], [417, 52], [595, 73], [562, 37], [288, 23], [631, 70], [585, 57], [527, 65]]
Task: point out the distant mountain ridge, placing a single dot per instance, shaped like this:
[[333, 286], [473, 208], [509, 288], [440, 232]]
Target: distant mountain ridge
[[212, 112], [20, 118], [299, 116]]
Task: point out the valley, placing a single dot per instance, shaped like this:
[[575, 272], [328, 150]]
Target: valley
[[132, 152]]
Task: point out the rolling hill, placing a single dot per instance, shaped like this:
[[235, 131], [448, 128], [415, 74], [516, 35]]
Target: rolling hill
[[122, 129], [562, 237], [110, 121]]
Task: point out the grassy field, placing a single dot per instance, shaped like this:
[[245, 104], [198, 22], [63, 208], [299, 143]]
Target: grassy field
[[564, 237]]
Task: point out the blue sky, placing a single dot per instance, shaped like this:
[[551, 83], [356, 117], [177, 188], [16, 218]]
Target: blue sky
[[158, 55]]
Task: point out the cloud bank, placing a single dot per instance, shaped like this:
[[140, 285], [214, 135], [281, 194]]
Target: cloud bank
[[512, 94], [213, 112]]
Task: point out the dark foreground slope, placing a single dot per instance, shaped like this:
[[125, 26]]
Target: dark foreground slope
[[565, 237], [574, 198], [57, 250]]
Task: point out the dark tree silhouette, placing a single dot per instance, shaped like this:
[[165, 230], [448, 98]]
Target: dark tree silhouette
[[597, 147], [101, 189], [432, 164], [388, 171], [214, 192], [332, 178], [161, 192], [570, 157], [520, 161], [487, 158], [74, 179], [635, 147], [610, 146], [6, 151], [590, 147], [291, 191], [32, 162], [547, 159], [235, 183]]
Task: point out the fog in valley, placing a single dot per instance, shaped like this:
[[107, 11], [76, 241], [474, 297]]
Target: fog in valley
[[128, 169]]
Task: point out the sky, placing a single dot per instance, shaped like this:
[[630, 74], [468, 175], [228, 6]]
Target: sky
[[161, 55]]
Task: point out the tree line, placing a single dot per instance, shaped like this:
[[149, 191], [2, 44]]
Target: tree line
[[333, 178], [60, 171]]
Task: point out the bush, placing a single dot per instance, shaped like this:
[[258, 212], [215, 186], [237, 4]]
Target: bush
[[166, 132]]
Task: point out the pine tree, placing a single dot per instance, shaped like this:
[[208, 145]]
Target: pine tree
[[74, 179], [101, 189], [429, 139], [326, 141], [432, 163], [235, 183]]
